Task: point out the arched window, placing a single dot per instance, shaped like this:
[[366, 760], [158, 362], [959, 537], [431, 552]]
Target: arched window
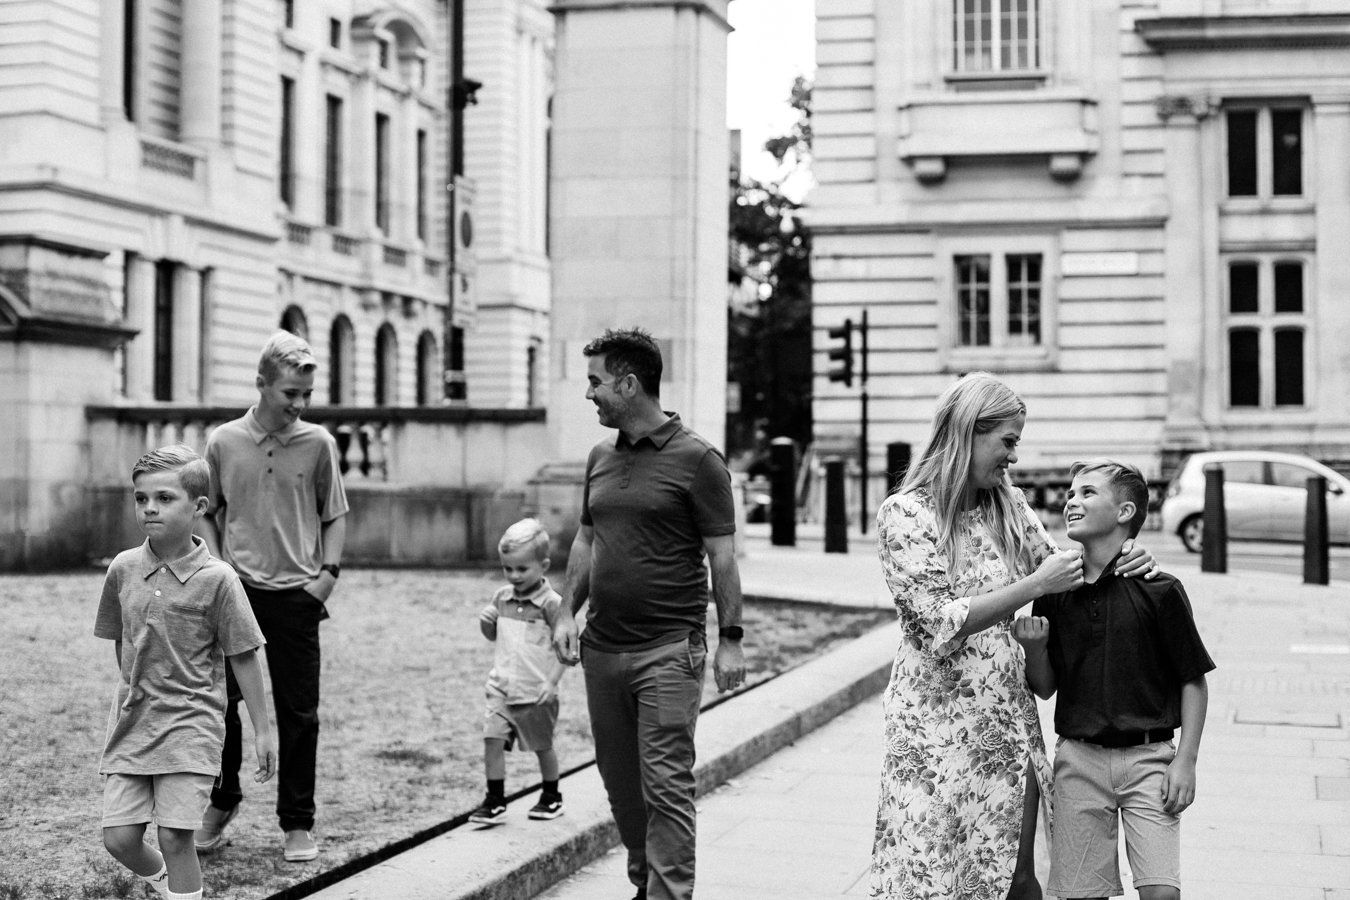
[[428, 372], [341, 363], [386, 366], [293, 320]]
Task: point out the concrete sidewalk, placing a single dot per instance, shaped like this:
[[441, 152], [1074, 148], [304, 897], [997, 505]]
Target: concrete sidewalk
[[794, 813]]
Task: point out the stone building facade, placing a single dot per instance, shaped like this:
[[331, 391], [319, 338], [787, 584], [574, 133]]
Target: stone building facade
[[1136, 211]]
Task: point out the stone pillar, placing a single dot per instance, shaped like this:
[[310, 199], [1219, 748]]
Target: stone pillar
[[1326, 356], [639, 218], [187, 335], [112, 26], [1190, 366], [140, 315], [201, 65]]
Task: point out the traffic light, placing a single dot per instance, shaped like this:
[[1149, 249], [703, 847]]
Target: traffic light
[[842, 354]]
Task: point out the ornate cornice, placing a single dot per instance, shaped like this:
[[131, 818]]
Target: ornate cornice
[[1245, 32], [1195, 106]]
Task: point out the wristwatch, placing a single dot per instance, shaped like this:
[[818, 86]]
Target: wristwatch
[[731, 632], [333, 568]]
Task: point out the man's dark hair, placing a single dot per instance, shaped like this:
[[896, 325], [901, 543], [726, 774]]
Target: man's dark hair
[[629, 351]]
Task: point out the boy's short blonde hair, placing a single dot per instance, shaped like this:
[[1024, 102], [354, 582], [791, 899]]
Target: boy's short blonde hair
[[284, 351], [1126, 482], [193, 471], [525, 533]]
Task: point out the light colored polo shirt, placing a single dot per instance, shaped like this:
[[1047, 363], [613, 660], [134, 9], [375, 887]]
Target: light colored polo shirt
[[523, 659], [271, 492], [177, 622]]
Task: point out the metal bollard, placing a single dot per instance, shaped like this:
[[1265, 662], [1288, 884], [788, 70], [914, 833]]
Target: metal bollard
[[836, 524], [783, 492], [1316, 556], [1214, 551]]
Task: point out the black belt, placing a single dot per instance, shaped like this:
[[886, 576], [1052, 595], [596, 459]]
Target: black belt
[[1131, 738]]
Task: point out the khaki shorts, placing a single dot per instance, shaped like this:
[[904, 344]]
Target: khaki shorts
[[177, 800], [1093, 787], [530, 725]]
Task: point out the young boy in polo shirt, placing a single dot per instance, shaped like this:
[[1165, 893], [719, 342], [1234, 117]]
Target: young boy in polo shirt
[[1130, 668], [522, 688], [175, 615]]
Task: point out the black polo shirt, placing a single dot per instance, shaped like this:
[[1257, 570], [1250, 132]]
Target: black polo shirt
[[651, 502], [1121, 649]]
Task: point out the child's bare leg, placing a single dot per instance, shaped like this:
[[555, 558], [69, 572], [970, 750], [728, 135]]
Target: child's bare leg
[[1159, 892], [548, 764], [180, 855], [1024, 883], [494, 758], [127, 845]]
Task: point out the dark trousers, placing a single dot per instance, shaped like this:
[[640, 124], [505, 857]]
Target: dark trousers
[[290, 622], [644, 706]]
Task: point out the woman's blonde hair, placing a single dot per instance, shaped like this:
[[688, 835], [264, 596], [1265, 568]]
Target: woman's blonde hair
[[975, 404]]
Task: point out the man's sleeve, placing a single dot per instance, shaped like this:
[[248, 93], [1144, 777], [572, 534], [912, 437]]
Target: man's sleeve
[[1180, 636], [710, 496], [216, 492], [332, 495]]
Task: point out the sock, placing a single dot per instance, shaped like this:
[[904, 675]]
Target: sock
[[159, 881], [190, 895], [551, 788], [497, 789]]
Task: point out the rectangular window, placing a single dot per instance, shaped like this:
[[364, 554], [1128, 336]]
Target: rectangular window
[[285, 157], [332, 163], [288, 13], [1265, 152], [998, 300], [421, 184], [382, 172], [130, 49], [335, 33], [384, 52], [996, 36], [1266, 323], [163, 357]]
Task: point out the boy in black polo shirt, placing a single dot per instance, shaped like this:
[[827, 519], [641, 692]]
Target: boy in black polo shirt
[[1130, 668]]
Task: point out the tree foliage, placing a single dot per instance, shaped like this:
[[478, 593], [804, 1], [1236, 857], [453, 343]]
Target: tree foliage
[[769, 317]]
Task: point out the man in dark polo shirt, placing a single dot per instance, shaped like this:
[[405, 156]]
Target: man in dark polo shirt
[[657, 499], [1130, 668]]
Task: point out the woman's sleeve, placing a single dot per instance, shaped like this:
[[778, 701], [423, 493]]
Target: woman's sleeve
[[916, 571], [1040, 543]]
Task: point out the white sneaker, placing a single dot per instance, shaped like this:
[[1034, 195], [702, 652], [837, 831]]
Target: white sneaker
[[300, 846]]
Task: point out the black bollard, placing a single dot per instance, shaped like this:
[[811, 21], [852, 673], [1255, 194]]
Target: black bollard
[[836, 524], [1316, 556], [897, 463], [783, 492], [1214, 549]]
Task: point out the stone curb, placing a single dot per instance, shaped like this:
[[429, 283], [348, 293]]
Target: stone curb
[[521, 860]]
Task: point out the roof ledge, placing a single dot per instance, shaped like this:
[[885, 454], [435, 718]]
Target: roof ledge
[[1245, 32]]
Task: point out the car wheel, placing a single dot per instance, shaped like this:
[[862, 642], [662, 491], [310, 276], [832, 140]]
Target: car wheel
[[1192, 533]]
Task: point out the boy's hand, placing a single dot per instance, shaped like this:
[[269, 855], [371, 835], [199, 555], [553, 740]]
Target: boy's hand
[[547, 692], [1178, 786], [321, 588], [267, 757], [1136, 561], [1032, 632]]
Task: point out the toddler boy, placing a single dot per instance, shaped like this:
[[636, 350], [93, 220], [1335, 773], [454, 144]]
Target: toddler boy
[[1130, 668], [522, 688], [175, 615]]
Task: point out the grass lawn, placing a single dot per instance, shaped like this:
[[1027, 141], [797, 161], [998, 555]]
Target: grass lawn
[[400, 749]]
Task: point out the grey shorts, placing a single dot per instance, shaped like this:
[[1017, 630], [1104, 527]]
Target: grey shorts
[[176, 800], [1094, 788], [530, 725]]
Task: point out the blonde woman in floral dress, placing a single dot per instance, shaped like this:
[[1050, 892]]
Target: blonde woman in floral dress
[[965, 765]]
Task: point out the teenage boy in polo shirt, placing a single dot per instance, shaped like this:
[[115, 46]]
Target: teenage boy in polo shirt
[[277, 515], [657, 498], [1130, 668], [176, 615]]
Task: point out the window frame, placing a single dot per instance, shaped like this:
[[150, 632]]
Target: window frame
[[1001, 353], [1267, 323], [1037, 43], [1265, 153]]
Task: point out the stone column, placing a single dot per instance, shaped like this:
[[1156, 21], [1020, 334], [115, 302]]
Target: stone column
[[187, 335], [140, 315], [639, 219], [200, 97], [1326, 357], [112, 26], [1191, 369]]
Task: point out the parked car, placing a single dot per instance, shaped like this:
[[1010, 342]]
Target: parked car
[[1265, 496]]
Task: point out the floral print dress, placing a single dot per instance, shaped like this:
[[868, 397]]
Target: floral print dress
[[961, 722]]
